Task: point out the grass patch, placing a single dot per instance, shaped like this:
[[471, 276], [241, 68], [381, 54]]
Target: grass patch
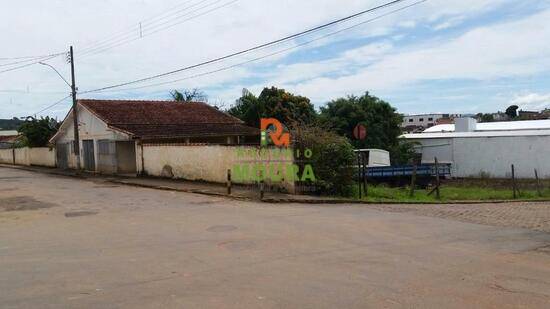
[[382, 193]]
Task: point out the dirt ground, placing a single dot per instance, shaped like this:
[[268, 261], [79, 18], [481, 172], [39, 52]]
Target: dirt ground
[[69, 243]]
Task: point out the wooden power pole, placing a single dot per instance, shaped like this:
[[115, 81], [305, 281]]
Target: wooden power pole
[[76, 145]]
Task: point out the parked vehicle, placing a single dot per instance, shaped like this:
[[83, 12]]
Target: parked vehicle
[[379, 170], [375, 157]]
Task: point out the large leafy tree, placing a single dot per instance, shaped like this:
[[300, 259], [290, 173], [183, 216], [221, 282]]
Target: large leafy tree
[[37, 132], [292, 110], [381, 120], [512, 111]]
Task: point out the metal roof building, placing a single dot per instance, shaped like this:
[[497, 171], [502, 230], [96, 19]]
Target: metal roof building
[[488, 149], [496, 126]]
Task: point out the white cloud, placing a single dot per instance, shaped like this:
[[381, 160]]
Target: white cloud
[[37, 26], [511, 49], [532, 101], [449, 23]]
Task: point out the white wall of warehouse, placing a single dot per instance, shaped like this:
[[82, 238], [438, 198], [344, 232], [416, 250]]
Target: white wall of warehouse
[[493, 156]]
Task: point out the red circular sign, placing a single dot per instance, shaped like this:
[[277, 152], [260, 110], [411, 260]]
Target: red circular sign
[[360, 132]]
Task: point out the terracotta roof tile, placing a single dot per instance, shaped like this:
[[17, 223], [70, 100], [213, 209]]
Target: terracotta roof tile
[[156, 112], [167, 119], [187, 130]]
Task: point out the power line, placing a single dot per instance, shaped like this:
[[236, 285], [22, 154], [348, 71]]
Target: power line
[[293, 36], [154, 29], [52, 105], [126, 40], [28, 60], [29, 57], [22, 91], [132, 33], [29, 64], [144, 22], [277, 52]]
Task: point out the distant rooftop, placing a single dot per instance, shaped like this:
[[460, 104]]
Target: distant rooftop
[[497, 126], [8, 133], [488, 129]]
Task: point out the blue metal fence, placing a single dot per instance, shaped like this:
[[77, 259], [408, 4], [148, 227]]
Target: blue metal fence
[[407, 170]]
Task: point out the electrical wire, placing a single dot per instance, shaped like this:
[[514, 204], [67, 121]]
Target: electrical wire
[[143, 22], [29, 64], [29, 60], [52, 105], [154, 29], [30, 57], [245, 51], [29, 92], [271, 54]]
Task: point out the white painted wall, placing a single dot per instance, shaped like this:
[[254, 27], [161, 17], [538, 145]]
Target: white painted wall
[[22, 156], [6, 156], [42, 156], [29, 156], [90, 128], [493, 156], [207, 163]]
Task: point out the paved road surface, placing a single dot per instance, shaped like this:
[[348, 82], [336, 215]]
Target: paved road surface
[[67, 243]]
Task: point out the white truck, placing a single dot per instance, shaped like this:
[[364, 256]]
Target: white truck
[[375, 157]]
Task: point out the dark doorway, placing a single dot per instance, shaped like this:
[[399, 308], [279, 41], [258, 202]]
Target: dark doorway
[[61, 150], [88, 152]]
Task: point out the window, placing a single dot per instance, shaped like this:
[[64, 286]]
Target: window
[[421, 119], [410, 120], [430, 119]]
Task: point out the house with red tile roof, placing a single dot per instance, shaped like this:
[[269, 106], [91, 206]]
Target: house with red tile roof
[[8, 139], [112, 131]]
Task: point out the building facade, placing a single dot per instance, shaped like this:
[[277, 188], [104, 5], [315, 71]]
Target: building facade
[[420, 122], [112, 132], [488, 149]]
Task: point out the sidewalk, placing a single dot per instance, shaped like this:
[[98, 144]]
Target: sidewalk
[[237, 192]]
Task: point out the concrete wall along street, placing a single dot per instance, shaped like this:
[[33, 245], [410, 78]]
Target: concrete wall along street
[[203, 162], [29, 156]]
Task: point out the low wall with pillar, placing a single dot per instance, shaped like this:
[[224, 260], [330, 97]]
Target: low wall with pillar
[[210, 162]]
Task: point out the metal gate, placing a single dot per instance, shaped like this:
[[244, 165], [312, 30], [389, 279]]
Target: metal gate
[[89, 158], [61, 150], [106, 157]]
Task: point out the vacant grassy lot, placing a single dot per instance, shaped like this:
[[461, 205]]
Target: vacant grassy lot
[[382, 193]]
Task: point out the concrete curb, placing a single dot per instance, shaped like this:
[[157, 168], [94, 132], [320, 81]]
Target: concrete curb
[[165, 188], [349, 201], [268, 200]]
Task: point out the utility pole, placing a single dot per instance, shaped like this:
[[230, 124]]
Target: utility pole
[[76, 145]]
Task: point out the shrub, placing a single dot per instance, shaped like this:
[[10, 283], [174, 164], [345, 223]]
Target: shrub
[[332, 159], [37, 132]]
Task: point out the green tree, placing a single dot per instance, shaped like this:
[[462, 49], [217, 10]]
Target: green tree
[[512, 111], [193, 95], [332, 159], [37, 132], [292, 110], [381, 120], [485, 117]]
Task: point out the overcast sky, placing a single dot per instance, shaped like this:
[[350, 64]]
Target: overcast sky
[[455, 56]]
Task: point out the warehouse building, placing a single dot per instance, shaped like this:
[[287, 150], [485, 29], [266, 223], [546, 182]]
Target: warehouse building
[[488, 149]]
